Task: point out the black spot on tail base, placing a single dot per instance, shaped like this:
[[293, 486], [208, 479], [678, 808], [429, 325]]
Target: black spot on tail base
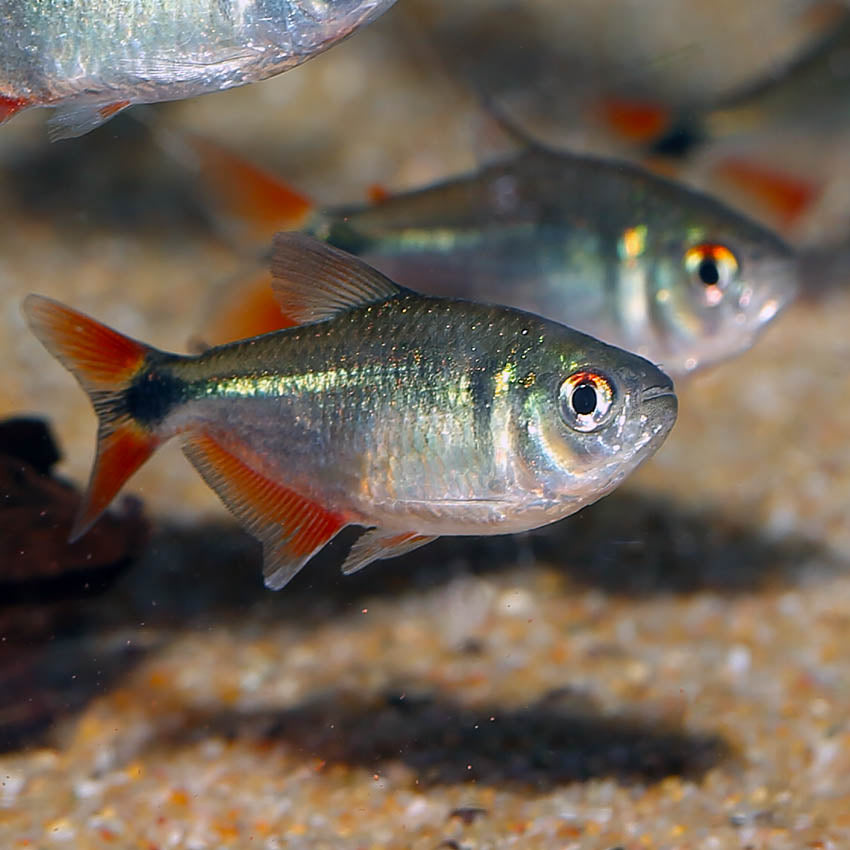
[[153, 393], [680, 141]]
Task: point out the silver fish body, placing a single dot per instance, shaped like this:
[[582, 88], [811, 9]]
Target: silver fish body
[[427, 413], [603, 246], [411, 415], [92, 58]]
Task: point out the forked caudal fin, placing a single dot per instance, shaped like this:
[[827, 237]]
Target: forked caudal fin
[[783, 196], [258, 197], [104, 362]]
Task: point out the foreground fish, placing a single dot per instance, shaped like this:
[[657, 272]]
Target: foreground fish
[[93, 58], [603, 246], [414, 416]]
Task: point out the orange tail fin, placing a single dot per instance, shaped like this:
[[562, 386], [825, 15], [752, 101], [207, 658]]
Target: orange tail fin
[[637, 121], [104, 362], [248, 308], [248, 192], [784, 196]]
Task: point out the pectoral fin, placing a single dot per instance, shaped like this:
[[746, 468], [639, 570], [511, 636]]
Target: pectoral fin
[[78, 117], [378, 544]]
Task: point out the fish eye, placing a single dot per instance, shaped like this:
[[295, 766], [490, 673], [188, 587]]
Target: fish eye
[[713, 267], [585, 400]]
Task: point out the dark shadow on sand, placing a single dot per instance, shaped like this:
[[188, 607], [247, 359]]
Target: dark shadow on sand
[[549, 743], [194, 577], [629, 544]]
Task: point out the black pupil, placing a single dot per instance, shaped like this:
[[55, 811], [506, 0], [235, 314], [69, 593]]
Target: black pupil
[[584, 399], [708, 272]]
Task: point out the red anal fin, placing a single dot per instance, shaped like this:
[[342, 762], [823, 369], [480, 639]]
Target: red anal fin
[[635, 120], [11, 105], [259, 197], [249, 308], [783, 195], [291, 527], [377, 544], [120, 453]]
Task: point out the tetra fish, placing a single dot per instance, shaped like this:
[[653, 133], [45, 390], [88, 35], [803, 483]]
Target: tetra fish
[[604, 246], [91, 60], [413, 416]]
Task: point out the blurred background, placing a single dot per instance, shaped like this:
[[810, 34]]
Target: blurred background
[[668, 668]]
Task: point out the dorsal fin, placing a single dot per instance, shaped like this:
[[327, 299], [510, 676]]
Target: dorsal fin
[[314, 281]]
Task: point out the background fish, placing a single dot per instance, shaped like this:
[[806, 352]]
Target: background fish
[[93, 59], [811, 89], [606, 247], [551, 71], [414, 416]]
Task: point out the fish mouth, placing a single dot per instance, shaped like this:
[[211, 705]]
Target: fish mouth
[[658, 391]]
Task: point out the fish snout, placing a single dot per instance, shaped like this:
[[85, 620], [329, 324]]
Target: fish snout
[[659, 402]]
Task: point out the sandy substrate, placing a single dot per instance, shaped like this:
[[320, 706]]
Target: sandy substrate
[[667, 669]]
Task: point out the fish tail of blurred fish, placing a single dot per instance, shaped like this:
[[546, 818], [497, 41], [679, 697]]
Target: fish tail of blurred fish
[[783, 197], [668, 137], [640, 122], [106, 364], [657, 129], [239, 189], [248, 198]]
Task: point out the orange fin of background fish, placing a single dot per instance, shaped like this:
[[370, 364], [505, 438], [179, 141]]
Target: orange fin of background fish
[[377, 544], [377, 194], [634, 120], [250, 308], [10, 106], [79, 116], [314, 281], [783, 195], [820, 16], [292, 528], [251, 193], [104, 362]]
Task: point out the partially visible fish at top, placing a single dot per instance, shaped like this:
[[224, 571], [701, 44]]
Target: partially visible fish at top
[[810, 90], [90, 59], [413, 416], [549, 69], [629, 257]]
